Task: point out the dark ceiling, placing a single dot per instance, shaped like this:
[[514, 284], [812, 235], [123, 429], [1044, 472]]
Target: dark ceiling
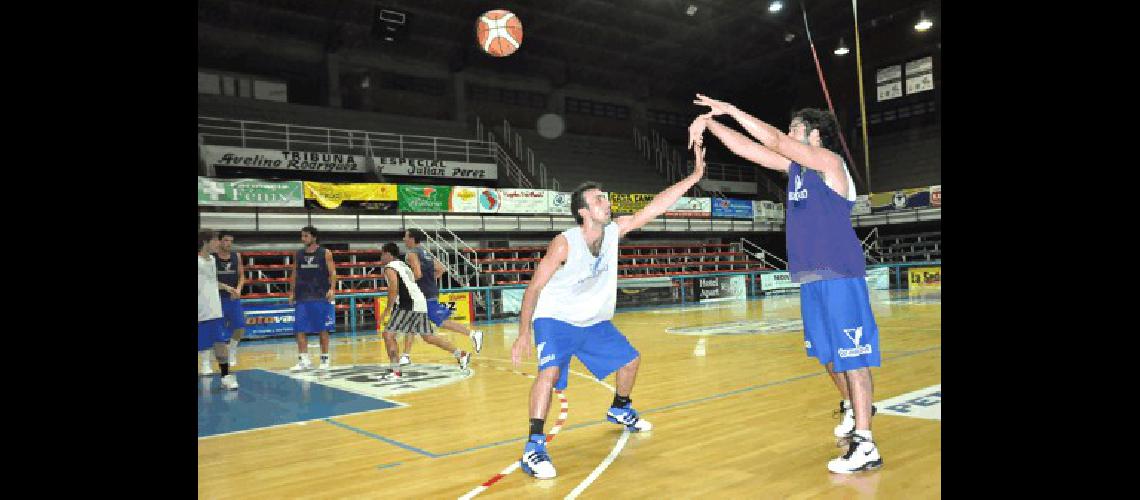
[[647, 47]]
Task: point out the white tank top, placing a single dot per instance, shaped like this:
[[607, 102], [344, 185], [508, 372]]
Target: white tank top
[[583, 291], [408, 281], [209, 302]]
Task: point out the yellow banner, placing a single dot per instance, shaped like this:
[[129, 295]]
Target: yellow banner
[[330, 195], [459, 303], [628, 203], [925, 277]]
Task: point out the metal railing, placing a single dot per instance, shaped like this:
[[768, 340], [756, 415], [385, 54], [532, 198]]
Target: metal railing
[[871, 250], [667, 160], [513, 142], [214, 131], [762, 255]]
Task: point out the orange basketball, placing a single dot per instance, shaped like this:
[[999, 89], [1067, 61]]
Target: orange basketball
[[499, 32]]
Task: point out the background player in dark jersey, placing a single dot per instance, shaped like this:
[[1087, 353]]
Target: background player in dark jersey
[[427, 270], [312, 288], [231, 273], [824, 255], [408, 307]]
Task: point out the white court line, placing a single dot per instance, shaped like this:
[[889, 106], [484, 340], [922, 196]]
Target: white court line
[[601, 467], [589, 479]]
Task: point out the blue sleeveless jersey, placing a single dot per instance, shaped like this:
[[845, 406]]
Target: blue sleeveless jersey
[[821, 242], [427, 273], [312, 275]]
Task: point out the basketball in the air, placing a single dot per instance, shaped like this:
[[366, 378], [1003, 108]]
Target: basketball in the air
[[499, 32]]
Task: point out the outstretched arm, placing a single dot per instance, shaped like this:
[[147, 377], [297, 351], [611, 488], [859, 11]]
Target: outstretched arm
[[664, 199], [747, 148], [805, 154]]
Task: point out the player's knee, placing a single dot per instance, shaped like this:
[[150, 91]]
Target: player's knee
[[633, 364], [548, 375]]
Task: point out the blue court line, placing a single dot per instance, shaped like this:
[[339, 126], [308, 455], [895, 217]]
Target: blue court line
[[385, 466], [382, 438], [596, 422]]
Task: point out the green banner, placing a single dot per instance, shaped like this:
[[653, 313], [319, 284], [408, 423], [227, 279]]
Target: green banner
[[412, 198], [249, 193]]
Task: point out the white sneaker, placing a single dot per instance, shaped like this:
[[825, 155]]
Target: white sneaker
[[862, 454], [302, 365], [233, 357], [463, 360], [325, 365], [477, 339], [535, 461], [405, 359], [206, 369], [229, 382]]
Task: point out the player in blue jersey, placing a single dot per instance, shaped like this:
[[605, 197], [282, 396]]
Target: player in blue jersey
[[824, 255]]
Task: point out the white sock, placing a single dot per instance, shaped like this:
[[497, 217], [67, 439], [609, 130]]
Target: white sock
[[864, 434], [304, 356], [847, 404], [324, 357]]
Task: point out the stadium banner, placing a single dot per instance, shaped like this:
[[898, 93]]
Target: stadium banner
[[730, 208], [778, 280], [416, 167], [524, 201], [764, 209], [879, 278], [249, 193], [900, 199], [462, 308], [721, 288], [936, 196], [559, 203], [417, 198], [464, 199], [330, 195], [279, 159], [694, 208], [267, 320], [628, 203], [862, 205], [924, 277]]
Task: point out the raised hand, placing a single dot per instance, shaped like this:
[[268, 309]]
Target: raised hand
[[697, 130], [715, 107]]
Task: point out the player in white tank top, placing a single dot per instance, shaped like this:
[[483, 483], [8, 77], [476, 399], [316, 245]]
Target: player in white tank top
[[574, 290]]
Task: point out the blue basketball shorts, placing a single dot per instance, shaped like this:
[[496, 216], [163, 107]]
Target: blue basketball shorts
[[211, 332], [839, 326], [437, 313], [601, 347], [314, 316], [233, 315]]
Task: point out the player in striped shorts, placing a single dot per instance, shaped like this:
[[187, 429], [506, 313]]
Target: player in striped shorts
[[409, 316]]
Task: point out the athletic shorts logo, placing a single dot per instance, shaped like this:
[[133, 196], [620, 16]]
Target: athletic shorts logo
[[854, 335], [807, 344]]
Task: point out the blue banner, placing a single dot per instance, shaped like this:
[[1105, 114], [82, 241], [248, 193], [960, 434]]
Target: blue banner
[[268, 320], [729, 208]]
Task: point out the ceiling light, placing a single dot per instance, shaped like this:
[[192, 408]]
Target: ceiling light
[[775, 6], [924, 23], [842, 48], [691, 10]]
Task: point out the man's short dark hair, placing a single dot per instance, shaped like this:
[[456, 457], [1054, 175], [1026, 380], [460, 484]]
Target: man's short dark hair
[[204, 237], [391, 248], [223, 234], [418, 235], [578, 199], [824, 121], [313, 231]]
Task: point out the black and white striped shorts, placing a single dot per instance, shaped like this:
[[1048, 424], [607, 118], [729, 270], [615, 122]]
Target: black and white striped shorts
[[410, 322]]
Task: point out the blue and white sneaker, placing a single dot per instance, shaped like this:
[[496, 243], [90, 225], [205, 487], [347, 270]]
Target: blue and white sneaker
[[629, 418], [535, 461]]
